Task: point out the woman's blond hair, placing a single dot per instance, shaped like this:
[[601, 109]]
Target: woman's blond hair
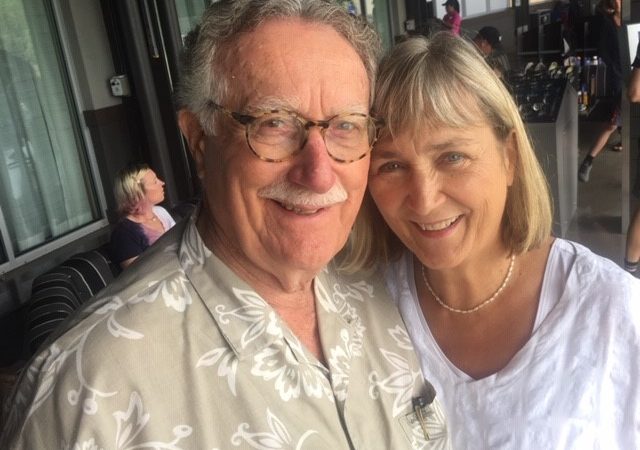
[[128, 187], [444, 81]]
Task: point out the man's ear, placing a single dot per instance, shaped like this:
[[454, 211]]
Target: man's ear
[[194, 134]]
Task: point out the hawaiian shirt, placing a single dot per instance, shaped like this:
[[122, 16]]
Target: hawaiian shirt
[[180, 353]]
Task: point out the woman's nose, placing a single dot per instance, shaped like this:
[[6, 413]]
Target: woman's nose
[[425, 191]]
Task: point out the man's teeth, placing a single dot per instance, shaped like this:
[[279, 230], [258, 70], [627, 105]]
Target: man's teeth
[[438, 225], [290, 207]]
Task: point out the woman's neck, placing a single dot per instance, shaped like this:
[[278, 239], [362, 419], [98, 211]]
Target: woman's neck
[[142, 213], [468, 285]]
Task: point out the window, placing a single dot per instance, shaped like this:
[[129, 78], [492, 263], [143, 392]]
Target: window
[[189, 14], [46, 187], [377, 14]]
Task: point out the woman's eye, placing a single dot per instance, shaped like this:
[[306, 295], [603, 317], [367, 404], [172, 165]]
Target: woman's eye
[[389, 167], [454, 157]]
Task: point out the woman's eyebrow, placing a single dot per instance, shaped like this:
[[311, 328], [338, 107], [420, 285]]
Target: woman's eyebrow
[[454, 142], [384, 153]]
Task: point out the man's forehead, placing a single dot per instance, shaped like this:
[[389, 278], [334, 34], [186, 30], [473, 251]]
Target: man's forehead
[[287, 64], [276, 39]]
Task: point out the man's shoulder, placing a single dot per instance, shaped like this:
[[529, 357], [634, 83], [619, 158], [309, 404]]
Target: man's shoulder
[[135, 288], [131, 320]]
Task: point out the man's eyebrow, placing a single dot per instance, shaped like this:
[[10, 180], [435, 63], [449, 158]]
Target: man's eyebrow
[[354, 108], [270, 103], [292, 104]]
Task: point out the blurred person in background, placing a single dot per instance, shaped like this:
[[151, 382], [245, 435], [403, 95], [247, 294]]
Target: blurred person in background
[[489, 42], [632, 254], [138, 192], [609, 20], [452, 19]]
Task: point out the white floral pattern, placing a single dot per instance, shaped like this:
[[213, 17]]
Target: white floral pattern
[[227, 365], [340, 363], [255, 312], [291, 377], [399, 383], [277, 437], [131, 422], [400, 335]]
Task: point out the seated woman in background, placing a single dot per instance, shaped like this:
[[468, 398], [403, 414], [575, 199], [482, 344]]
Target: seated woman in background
[[531, 341], [138, 190]]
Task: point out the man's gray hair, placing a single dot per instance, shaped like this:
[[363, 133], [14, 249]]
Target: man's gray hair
[[203, 75]]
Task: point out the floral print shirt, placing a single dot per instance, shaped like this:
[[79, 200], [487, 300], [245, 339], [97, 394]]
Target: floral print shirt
[[179, 353]]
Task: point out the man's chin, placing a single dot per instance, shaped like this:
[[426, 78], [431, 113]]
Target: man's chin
[[308, 257]]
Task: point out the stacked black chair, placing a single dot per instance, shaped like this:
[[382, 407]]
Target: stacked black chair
[[56, 294]]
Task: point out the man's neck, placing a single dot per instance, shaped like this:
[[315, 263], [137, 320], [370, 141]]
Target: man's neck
[[288, 292]]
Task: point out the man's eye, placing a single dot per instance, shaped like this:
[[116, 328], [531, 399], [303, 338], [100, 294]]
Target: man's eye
[[345, 126], [272, 123]]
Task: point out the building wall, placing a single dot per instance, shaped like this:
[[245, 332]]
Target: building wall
[[107, 118], [90, 50]]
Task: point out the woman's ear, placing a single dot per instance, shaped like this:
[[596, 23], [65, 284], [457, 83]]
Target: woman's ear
[[194, 134], [511, 156]]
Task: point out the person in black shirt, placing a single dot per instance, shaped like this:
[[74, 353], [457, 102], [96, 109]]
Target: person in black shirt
[[489, 42], [632, 254], [608, 23]]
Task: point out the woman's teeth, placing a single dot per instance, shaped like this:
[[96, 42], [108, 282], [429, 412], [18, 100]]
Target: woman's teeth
[[438, 225]]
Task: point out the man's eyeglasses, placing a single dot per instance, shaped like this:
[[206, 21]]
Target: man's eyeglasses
[[276, 135]]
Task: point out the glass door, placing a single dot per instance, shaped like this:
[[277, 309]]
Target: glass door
[[189, 13], [46, 187]]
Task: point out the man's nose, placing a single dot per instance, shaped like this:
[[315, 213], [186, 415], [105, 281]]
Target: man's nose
[[313, 167]]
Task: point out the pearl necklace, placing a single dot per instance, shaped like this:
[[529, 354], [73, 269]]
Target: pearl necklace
[[153, 218], [481, 305]]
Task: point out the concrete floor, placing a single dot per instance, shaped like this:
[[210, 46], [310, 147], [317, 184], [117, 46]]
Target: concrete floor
[[598, 221]]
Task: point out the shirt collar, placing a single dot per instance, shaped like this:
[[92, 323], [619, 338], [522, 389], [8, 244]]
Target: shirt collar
[[247, 322]]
